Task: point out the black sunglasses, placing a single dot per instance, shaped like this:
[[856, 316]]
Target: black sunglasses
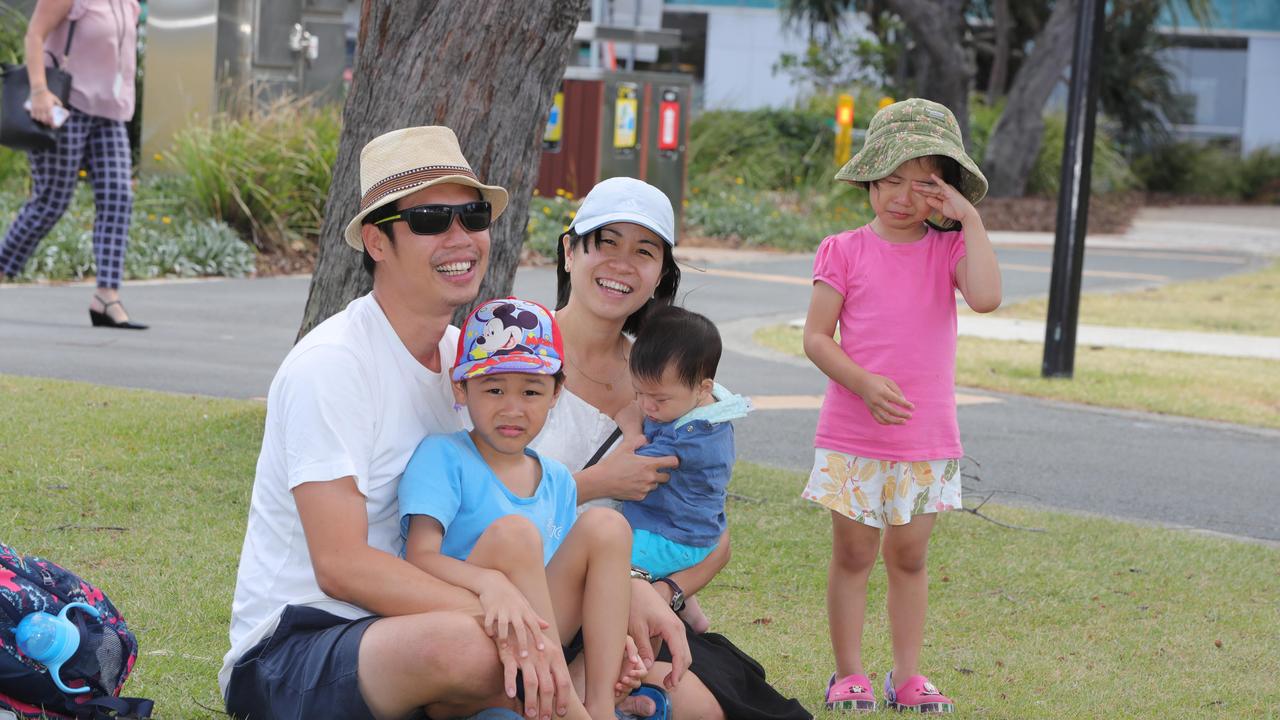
[[435, 219]]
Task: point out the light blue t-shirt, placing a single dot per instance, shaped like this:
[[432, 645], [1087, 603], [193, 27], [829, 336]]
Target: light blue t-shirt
[[447, 479]]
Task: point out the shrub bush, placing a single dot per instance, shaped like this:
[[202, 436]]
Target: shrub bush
[[1110, 172], [1260, 175], [13, 29], [788, 220], [265, 173], [14, 175], [548, 219], [768, 149], [161, 244], [1211, 170]]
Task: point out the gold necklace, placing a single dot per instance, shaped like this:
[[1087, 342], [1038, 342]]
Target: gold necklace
[[608, 385]]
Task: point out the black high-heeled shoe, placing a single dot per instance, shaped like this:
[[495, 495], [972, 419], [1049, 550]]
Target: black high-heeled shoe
[[103, 319]]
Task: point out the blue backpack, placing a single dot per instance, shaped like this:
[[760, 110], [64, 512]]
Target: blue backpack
[[103, 660]]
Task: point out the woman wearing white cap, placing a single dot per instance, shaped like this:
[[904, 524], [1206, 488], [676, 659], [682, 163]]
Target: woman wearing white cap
[[615, 265]]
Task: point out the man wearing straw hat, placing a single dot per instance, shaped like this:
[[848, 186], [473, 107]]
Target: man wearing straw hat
[[327, 620]]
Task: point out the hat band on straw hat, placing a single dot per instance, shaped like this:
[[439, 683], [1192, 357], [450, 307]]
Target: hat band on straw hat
[[409, 178]]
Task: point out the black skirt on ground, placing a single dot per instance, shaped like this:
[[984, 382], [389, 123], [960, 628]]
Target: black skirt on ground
[[737, 680]]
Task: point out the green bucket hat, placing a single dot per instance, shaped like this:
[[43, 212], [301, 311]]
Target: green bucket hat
[[907, 130]]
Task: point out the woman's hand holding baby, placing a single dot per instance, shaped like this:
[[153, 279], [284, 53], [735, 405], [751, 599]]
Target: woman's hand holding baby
[[633, 476]]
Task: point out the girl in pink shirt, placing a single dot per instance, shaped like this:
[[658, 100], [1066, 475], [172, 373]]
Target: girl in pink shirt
[[887, 450]]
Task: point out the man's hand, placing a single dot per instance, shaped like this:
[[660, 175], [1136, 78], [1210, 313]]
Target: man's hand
[[547, 685], [650, 618]]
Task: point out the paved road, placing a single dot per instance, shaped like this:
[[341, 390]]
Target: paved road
[[226, 338]]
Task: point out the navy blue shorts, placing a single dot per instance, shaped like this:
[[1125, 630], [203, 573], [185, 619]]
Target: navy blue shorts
[[305, 669]]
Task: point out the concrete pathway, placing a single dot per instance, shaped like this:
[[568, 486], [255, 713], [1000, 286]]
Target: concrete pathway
[[1199, 343], [1196, 343], [1249, 229]]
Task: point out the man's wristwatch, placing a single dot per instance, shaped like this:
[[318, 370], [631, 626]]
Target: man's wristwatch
[[677, 594]]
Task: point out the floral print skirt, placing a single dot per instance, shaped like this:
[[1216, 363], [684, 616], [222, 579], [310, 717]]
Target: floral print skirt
[[882, 492]]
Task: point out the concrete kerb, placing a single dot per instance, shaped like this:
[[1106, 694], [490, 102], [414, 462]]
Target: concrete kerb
[[1195, 343]]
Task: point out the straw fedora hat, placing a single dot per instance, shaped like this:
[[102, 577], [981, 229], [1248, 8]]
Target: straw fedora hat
[[403, 162]]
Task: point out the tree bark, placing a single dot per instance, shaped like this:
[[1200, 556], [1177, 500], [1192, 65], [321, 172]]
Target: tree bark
[[1000, 58], [1015, 140], [488, 70], [937, 27]]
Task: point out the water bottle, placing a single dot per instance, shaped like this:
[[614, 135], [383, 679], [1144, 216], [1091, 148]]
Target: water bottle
[[52, 639]]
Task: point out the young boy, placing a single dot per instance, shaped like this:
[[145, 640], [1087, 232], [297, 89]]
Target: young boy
[[687, 414], [467, 497]]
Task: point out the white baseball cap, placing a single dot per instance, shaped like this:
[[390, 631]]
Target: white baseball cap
[[624, 199]]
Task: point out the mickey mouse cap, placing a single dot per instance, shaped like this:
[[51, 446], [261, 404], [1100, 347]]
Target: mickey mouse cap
[[508, 335]]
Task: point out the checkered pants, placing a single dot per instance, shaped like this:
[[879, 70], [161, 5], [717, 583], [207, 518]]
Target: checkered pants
[[101, 146]]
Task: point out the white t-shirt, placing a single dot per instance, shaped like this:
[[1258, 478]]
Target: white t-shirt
[[349, 399]]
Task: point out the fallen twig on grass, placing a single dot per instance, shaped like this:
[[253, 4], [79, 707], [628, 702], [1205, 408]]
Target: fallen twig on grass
[[977, 509], [215, 711], [110, 528]]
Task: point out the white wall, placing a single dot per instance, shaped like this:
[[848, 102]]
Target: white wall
[[743, 44], [1261, 99]]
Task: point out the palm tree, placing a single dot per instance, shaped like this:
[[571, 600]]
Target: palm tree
[[1136, 87], [941, 70], [1136, 91]]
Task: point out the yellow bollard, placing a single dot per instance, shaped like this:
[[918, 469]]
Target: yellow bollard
[[844, 129]]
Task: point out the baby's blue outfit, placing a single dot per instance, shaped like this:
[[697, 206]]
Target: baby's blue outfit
[[448, 479], [678, 524]]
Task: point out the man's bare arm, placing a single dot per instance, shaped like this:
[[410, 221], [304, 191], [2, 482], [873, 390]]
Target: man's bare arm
[[336, 525]]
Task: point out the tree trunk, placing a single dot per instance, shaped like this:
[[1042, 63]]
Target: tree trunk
[[486, 69], [1015, 140], [937, 26], [1000, 59]]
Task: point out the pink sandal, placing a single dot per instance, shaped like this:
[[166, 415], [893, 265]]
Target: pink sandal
[[852, 692], [917, 694]]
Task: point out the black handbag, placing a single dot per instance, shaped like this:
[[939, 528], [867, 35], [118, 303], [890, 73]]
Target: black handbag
[[18, 129]]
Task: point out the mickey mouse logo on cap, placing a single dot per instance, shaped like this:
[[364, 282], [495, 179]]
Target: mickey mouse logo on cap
[[508, 335]]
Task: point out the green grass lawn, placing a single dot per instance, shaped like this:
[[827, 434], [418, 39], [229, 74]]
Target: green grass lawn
[[145, 494], [1237, 390], [1245, 304]]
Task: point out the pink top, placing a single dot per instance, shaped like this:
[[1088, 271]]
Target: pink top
[[898, 320], [104, 56]]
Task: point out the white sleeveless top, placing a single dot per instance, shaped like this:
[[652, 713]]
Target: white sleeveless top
[[575, 429]]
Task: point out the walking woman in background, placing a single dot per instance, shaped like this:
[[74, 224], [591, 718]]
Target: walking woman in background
[[102, 61]]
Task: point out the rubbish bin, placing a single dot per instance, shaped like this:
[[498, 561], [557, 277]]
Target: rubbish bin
[[618, 124]]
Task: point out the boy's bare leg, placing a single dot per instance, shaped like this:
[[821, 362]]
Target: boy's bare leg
[[508, 546], [591, 588]]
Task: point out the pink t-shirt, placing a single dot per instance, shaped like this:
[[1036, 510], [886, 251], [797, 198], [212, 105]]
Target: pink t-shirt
[[898, 320], [104, 56]]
